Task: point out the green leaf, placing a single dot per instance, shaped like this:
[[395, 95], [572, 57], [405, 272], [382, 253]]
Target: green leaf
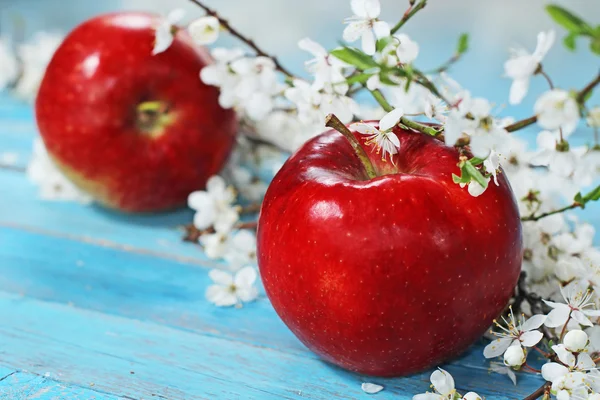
[[385, 78], [463, 43], [476, 175], [595, 45], [382, 43], [354, 57], [358, 78], [569, 41], [594, 195], [464, 178], [476, 161], [568, 20]]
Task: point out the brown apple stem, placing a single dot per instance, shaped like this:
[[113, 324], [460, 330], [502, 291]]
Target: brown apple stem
[[149, 113], [331, 121], [226, 25]]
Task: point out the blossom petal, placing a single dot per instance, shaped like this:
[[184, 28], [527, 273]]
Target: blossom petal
[[175, 16], [581, 318], [545, 40], [585, 362], [564, 355], [552, 371], [442, 381], [531, 338], [221, 277], [245, 277], [371, 388], [381, 29], [312, 47], [204, 30], [220, 296], [558, 316], [355, 30], [364, 129], [534, 322], [391, 136], [368, 42], [391, 119], [497, 347], [518, 90]]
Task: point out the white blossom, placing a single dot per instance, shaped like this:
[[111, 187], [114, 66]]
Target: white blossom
[[578, 306], [522, 65], [250, 187], [443, 384], [9, 67], [204, 30], [326, 69], [53, 185], [383, 138], [407, 50], [229, 289], [557, 109], [516, 333], [593, 118], [214, 206], [240, 249], [165, 29], [514, 356], [558, 161], [364, 24], [575, 341], [35, 55]]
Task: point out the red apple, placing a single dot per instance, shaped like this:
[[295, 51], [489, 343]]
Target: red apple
[[391, 275], [138, 132]]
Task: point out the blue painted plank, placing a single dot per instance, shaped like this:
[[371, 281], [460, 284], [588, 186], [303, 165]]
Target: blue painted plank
[[162, 292], [19, 385], [79, 345], [158, 234]]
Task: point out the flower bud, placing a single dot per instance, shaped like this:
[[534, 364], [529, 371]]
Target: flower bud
[[575, 340], [471, 396], [514, 356]]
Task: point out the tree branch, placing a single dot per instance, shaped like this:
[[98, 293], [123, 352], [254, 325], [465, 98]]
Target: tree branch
[[538, 393], [581, 95], [584, 92], [259, 52], [408, 15], [533, 217]]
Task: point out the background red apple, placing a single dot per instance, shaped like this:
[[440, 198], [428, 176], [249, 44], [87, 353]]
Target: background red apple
[[138, 132], [392, 275]]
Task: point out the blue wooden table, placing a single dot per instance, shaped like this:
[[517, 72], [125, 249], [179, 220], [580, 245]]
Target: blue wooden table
[[97, 305]]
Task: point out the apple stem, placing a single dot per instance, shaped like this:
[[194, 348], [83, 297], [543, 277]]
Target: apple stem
[[331, 121], [149, 113]]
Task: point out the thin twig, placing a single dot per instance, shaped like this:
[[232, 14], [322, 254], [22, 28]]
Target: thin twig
[[584, 92], [521, 124], [412, 10], [377, 95], [192, 234], [533, 217], [580, 99], [259, 52], [538, 393]]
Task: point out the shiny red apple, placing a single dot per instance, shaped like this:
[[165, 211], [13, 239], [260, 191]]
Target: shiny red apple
[[138, 132], [391, 275]]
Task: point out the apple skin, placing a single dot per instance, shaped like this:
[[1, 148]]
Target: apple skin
[[388, 276], [86, 114]]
